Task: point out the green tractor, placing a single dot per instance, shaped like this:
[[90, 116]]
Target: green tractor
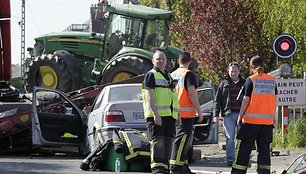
[[71, 60]]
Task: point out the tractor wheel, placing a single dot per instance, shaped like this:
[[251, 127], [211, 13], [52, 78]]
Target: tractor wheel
[[125, 67], [50, 71]]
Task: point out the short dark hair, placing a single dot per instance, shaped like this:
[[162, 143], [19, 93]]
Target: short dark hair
[[256, 61], [184, 57], [234, 64]]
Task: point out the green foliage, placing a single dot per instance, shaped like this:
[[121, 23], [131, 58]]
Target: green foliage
[[181, 17], [297, 133], [219, 32], [295, 138], [278, 142], [286, 16]]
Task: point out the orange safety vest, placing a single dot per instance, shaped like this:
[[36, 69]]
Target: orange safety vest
[[261, 109], [187, 110]]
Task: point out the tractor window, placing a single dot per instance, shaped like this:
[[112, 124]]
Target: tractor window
[[123, 30], [156, 34]]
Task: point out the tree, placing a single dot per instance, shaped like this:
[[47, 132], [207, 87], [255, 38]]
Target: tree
[[221, 32], [286, 16], [217, 33]]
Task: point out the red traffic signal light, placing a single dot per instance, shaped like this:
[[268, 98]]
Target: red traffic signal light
[[284, 46]]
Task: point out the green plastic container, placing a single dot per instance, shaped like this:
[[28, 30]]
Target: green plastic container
[[111, 158], [136, 167]]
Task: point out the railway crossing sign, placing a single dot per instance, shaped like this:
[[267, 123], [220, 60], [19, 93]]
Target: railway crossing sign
[[291, 92], [284, 46]]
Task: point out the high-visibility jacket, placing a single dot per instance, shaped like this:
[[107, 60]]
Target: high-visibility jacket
[[187, 109], [165, 98], [261, 108]]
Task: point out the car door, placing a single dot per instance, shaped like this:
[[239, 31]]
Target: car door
[[57, 121], [206, 132]]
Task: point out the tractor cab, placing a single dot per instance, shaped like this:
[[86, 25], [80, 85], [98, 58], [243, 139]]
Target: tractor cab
[[137, 27]]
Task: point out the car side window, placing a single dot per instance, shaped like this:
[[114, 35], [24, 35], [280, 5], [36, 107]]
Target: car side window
[[205, 96], [99, 100]]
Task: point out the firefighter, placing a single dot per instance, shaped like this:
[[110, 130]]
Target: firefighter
[[161, 112], [189, 106], [256, 119]]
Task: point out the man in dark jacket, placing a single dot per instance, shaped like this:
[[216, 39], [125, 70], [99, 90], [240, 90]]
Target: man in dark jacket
[[227, 106]]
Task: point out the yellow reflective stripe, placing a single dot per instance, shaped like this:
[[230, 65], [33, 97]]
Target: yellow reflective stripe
[[235, 165], [153, 163], [267, 167], [240, 167], [85, 161], [143, 153], [117, 142], [132, 153], [181, 147], [179, 152], [129, 145], [180, 163], [152, 151], [159, 165]]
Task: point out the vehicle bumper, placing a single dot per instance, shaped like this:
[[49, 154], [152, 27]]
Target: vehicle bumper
[[106, 133]]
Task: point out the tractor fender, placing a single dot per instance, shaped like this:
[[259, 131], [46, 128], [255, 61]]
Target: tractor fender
[[123, 55]]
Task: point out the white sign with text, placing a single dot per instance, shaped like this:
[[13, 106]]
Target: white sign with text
[[291, 92]]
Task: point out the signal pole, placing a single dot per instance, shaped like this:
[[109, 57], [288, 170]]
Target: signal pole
[[22, 25]]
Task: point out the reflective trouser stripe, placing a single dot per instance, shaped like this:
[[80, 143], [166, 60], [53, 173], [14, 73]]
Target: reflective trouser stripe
[[143, 153], [152, 153], [235, 165], [265, 167], [153, 163], [180, 163], [182, 143], [130, 148], [159, 165], [85, 161], [179, 152], [117, 142], [240, 167]]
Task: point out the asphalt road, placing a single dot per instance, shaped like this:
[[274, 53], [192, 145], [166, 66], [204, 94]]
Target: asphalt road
[[211, 161]]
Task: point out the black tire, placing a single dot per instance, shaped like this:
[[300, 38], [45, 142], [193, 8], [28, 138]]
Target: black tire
[[55, 64], [129, 65]]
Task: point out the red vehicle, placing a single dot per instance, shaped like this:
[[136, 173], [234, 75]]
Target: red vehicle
[[7, 92]]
